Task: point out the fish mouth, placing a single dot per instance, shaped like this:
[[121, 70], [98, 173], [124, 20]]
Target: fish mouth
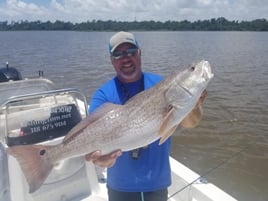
[[206, 71]]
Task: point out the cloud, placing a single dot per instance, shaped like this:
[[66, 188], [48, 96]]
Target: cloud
[[125, 10], [57, 6], [19, 10]]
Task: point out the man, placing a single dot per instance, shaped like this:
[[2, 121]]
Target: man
[[142, 174]]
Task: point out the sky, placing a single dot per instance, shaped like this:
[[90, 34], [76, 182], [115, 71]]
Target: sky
[[130, 10]]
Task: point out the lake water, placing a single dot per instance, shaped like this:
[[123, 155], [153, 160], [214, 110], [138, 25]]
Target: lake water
[[230, 146]]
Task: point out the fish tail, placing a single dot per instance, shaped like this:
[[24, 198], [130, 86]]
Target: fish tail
[[34, 162]]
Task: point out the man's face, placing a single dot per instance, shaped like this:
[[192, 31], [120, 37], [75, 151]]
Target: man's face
[[128, 64]]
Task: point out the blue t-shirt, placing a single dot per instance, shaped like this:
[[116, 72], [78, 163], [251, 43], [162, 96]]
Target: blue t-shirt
[[151, 171]]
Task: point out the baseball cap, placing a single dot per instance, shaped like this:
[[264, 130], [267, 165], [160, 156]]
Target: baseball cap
[[120, 38]]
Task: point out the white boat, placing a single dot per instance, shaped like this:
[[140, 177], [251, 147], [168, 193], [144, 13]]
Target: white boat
[[34, 111]]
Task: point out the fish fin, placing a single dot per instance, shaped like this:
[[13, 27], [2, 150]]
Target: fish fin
[[166, 121], [167, 134], [33, 162]]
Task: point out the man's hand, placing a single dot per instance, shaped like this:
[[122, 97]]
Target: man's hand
[[194, 117], [107, 160]]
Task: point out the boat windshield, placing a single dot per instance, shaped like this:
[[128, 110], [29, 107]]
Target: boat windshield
[[37, 117]]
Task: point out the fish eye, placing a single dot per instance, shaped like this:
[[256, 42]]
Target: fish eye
[[192, 68]]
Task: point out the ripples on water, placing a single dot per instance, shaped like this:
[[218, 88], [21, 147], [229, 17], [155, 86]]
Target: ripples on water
[[233, 130]]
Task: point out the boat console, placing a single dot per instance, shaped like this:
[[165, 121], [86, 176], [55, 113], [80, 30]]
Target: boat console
[[35, 112]]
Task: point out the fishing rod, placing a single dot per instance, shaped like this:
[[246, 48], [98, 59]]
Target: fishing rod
[[202, 179]]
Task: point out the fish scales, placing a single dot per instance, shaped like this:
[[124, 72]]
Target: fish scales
[[122, 123]]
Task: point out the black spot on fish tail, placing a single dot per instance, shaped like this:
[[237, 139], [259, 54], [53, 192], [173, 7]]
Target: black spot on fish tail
[[42, 152], [34, 163]]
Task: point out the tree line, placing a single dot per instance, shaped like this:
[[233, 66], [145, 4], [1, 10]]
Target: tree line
[[219, 24]]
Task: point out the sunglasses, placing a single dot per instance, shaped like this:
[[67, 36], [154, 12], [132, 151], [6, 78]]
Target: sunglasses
[[120, 54]]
